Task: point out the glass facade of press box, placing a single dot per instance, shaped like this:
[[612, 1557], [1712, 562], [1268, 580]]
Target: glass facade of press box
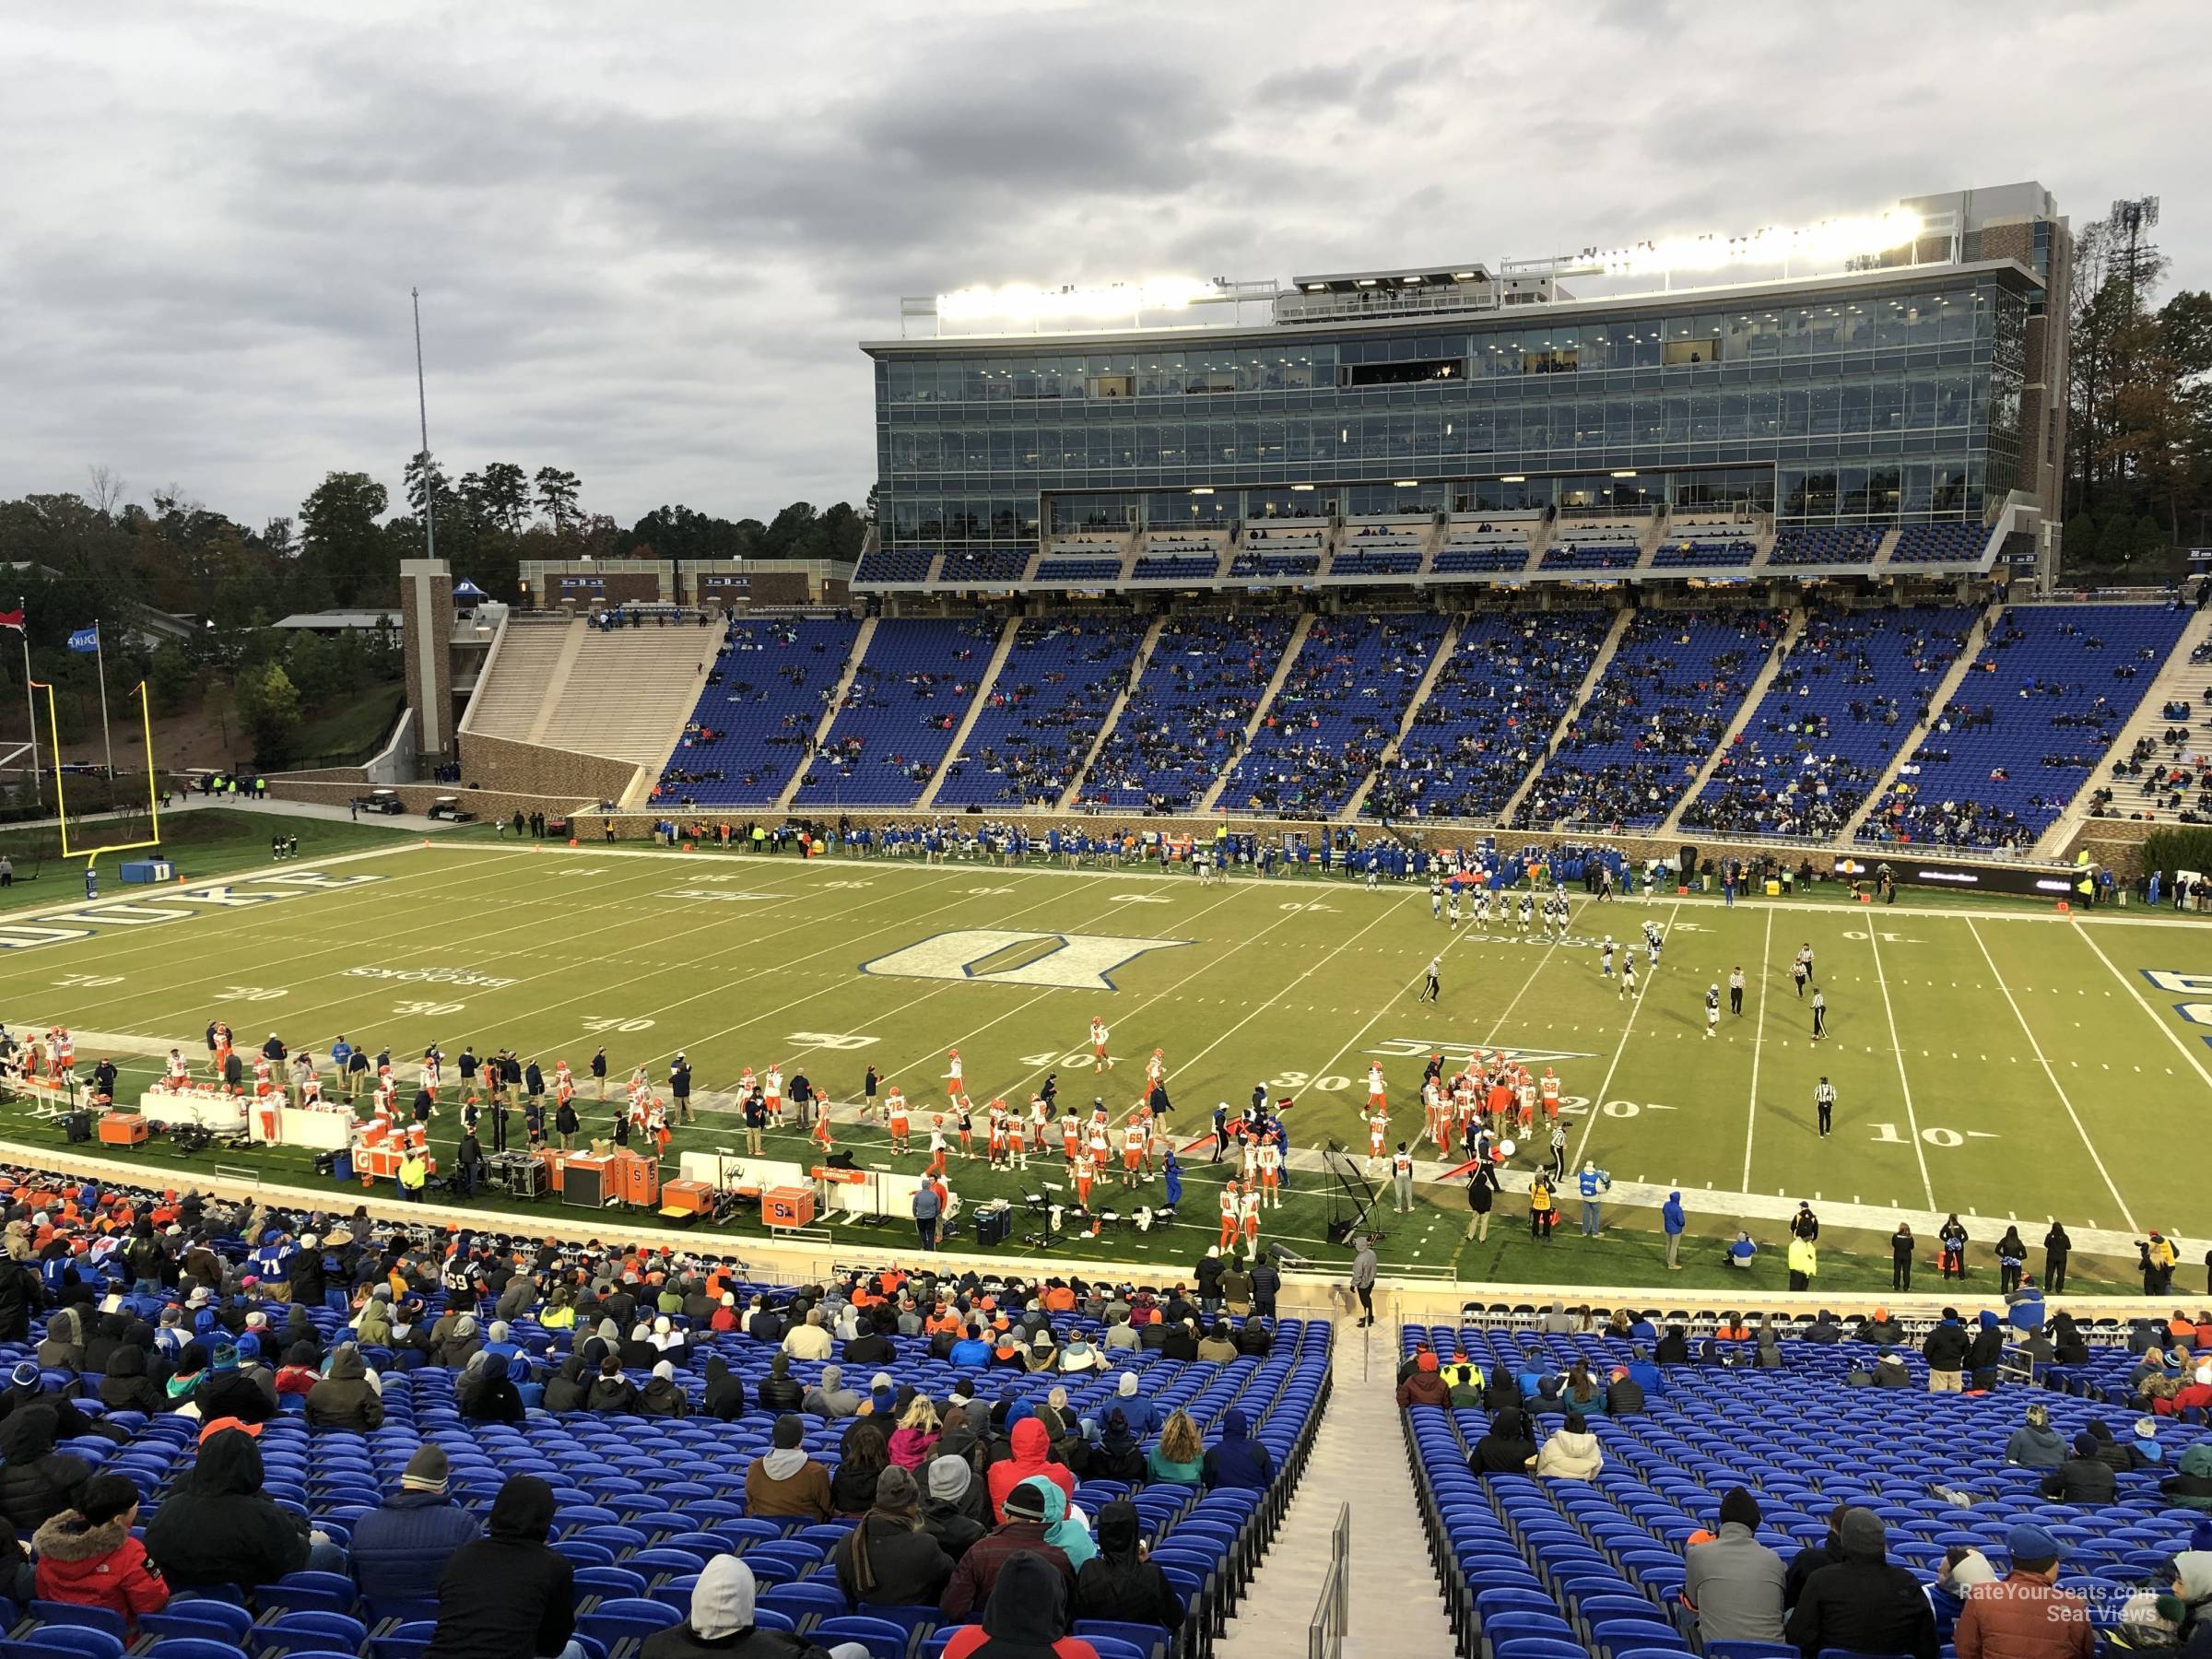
[[1897, 401]]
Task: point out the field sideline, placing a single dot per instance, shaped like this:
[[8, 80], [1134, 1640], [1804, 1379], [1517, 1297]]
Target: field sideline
[[2001, 1062]]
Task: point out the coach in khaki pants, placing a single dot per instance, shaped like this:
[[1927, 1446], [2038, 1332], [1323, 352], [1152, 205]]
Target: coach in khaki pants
[[1945, 1350]]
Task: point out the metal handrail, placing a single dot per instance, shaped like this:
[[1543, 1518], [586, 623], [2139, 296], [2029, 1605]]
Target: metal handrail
[[1331, 1612]]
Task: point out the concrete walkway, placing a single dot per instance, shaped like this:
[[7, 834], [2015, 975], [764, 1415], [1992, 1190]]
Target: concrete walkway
[[270, 808], [1398, 1608]]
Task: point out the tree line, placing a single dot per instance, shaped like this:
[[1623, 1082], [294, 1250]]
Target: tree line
[[2138, 460], [99, 552]]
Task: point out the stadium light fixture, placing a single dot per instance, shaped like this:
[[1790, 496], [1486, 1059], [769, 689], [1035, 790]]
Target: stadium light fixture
[[1408, 484], [1463, 276], [1203, 489], [1828, 241], [1022, 303], [1624, 474], [1514, 478], [1304, 487]]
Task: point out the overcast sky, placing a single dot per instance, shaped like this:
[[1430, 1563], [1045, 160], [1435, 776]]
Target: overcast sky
[[648, 237]]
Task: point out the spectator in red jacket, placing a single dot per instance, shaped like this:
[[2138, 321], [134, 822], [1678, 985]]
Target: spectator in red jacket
[[1031, 1443], [87, 1558]]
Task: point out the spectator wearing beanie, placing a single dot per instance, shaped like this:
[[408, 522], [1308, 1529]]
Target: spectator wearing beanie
[[1143, 1411], [2025, 1615], [1734, 1582], [400, 1549], [87, 1558], [784, 1480], [889, 1558], [2084, 1479], [1862, 1603], [1424, 1385], [945, 1516], [997, 1552]]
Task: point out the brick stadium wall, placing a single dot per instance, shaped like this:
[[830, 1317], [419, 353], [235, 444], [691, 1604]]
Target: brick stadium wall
[[621, 587], [2114, 842], [530, 769], [323, 774]]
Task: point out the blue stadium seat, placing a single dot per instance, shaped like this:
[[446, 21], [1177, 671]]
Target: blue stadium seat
[[883, 1639]]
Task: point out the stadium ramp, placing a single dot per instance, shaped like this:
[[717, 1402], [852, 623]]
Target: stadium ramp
[[1599, 665], [843, 689], [1799, 616], [1275, 684], [1137, 665], [975, 707], [1938, 701], [1444, 648]]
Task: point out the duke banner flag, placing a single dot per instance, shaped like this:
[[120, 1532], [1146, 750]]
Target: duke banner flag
[[85, 639]]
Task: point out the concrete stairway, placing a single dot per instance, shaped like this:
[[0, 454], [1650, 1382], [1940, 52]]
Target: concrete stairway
[[1397, 1608], [1259, 712], [2179, 680], [1599, 665], [1939, 700], [1137, 665], [861, 641], [557, 681], [1767, 670], [975, 707], [1444, 648]]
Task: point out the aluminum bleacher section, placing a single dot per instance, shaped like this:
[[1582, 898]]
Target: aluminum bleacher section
[[762, 703], [1339, 705], [1664, 702], [1487, 716], [626, 690], [2039, 708], [1042, 712], [1849, 695], [507, 705], [905, 704], [1185, 719]]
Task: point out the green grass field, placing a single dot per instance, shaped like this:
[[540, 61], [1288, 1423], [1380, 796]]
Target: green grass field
[[203, 841], [1999, 1062]]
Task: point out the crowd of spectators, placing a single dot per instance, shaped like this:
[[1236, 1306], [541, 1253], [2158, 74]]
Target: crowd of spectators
[[1185, 719], [1489, 714], [1659, 708]]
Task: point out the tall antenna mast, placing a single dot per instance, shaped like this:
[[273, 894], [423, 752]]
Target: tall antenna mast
[[422, 411]]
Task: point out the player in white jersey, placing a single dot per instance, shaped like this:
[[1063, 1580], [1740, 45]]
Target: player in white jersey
[[179, 1072], [1605, 956], [1712, 1008], [952, 1074], [1480, 907], [1652, 940], [1099, 1059], [1271, 1173], [1436, 901], [1156, 1070], [1627, 977], [1451, 909], [1528, 910]]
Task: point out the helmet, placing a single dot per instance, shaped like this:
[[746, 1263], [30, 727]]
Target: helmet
[[936, 1117]]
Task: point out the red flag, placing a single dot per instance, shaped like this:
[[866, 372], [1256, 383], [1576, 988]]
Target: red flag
[[12, 619]]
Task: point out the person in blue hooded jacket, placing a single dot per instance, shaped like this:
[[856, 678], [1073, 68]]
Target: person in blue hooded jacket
[[1672, 1221], [1236, 1459]]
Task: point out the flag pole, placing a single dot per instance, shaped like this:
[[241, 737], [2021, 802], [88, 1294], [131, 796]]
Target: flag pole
[[99, 652], [30, 706]]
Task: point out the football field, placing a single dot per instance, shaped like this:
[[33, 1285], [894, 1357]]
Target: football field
[[2002, 1063]]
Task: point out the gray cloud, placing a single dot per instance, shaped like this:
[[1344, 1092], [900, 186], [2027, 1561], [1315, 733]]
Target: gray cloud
[[648, 243]]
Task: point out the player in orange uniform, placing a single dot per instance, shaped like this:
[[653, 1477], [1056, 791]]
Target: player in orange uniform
[[895, 1115], [1230, 1214]]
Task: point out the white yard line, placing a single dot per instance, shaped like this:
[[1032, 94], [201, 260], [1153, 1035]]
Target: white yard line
[[1597, 1100], [2165, 1025], [1759, 1039], [2050, 1071], [1904, 1083]]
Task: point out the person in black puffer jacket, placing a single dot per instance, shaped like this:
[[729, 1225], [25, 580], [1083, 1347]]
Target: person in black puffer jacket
[[507, 1593], [611, 1391], [220, 1528], [779, 1391], [36, 1482], [1119, 1582]]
